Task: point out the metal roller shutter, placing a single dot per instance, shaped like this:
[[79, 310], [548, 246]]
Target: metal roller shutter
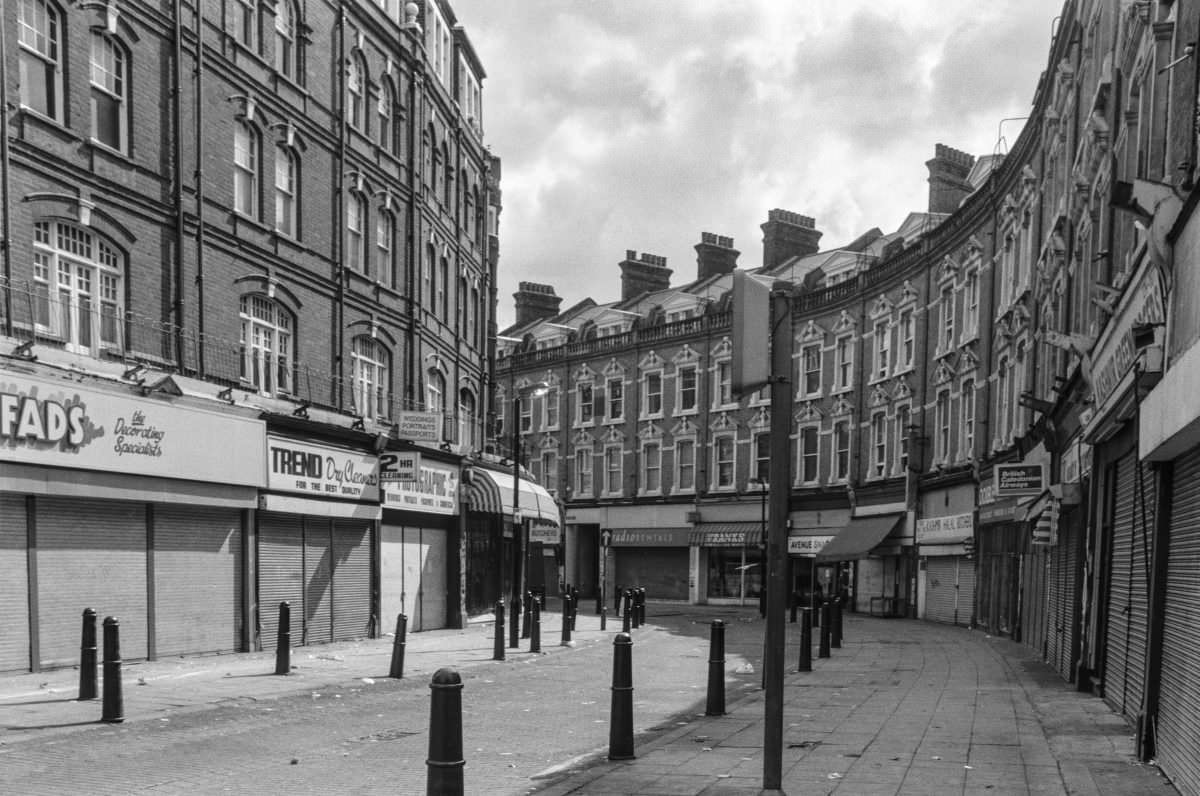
[[14, 585], [280, 575], [662, 571], [318, 581], [91, 554], [966, 591], [1178, 747], [1054, 602], [1071, 584], [1033, 601], [352, 545], [1125, 646], [940, 589], [197, 579]]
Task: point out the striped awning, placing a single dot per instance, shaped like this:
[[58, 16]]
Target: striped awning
[[727, 534], [491, 492]]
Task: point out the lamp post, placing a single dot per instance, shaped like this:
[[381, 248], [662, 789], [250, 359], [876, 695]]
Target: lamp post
[[763, 486], [520, 546]]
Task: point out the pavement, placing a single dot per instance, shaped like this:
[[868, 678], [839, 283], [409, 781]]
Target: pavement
[[903, 707]]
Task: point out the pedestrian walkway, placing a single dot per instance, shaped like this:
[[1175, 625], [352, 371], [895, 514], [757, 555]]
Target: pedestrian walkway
[[903, 707]]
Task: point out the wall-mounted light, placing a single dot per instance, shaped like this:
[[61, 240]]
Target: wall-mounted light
[[166, 385], [301, 410], [136, 373], [358, 425], [25, 351], [226, 395], [1145, 335]]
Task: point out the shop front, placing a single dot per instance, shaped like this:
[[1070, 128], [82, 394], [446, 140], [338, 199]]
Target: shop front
[[866, 563], [731, 562], [630, 546], [130, 502], [316, 530], [998, 544], [809, 532], [947, 567]]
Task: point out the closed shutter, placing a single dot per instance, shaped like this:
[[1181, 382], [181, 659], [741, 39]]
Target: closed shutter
[[318, 581], [1054, 600], [966, 591], [1178, 749], [91, 554], [352, 544], [940, 589], [1071, 584], [197, 579], [1125, 646], [1033, 601], [14, 585], [662, 571], [280, 575]]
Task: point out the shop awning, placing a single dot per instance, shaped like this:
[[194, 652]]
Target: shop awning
[[492, 492], [858, 538], [727, 534]]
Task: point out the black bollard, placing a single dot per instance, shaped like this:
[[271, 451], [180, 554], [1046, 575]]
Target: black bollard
[[823, 647], [398, 643], [625, 623], [620, 728], [603, 617], [535, 628], [527, 624], [498, 646], [515, 628], [566, 621], [113, 708], [87, 656], [283, 640], [636, 615], [835, 625], [574, 606], [805, 664], [620, 595], [715, 703], [445, 761], [641, 602]]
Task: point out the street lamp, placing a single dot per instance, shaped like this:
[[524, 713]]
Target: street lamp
[[519, 544]]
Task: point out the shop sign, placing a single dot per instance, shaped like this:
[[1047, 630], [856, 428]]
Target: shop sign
[[1020, 479], [63, 424], [544, 534], [419, 426], [998, 511], [1113, 357], [945, 530], [806, 545], [321, 471], [433, 490], [399, 466], [650, 537], [987, 492]]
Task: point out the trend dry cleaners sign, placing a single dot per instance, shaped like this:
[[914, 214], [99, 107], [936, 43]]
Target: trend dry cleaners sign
[[62, 424], [321, 471]]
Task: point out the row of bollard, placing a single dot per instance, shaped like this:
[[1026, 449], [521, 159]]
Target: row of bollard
[[112, 708]]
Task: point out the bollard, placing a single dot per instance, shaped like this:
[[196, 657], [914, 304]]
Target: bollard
[[398, 643], [498, 645], [620, 728], [603, 617], [445, 761], [635, 619], [620, 595], [715, 703], [641, 605], [283, 640], [574, 606], [113, 709], [566, 622], [527, 624], [535, 628], [625, 624], [515, 628], [823, 647], [87, 656], [835, 625], [805, 664]]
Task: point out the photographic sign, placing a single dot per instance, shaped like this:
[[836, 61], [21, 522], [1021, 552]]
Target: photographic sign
[[1020, 479], [433, 486], [419, 426]]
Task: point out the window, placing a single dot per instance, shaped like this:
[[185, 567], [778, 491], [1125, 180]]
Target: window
[[385, 247], [427, 292], [687, 388], [40, 39], [1003, 373], [587, 402], [968, 412], [879, 444], [356, 219], [245, 169], [723, 383], [685, 465], [285, 39], [435, 398], [652, 467], [447, 178], [907, 338], [883, 333], [550, 408], [613, 456], [467, 423], [971, 306], [583, 472], [369, 361], [109, 113], [946, 341], [841, 450], [942, 412], [652, 394], [266, 345], [845, 363], [723, 453], [550, 471], [809, 451], [79, 286], [385, 130], [356, 75], [245, 21], [903, 420], [443, 289], [616, 398], [811, 358], [286, 171], [526, 415], [762, 457]]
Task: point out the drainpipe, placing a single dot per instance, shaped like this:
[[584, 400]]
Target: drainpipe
[[198, 176], [339, 212], [177, 178], [5, 226]]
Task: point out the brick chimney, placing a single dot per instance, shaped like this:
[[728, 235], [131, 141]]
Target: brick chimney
[[715, 255], [535, 302], [786, 235], [647, 273], [948, 173]]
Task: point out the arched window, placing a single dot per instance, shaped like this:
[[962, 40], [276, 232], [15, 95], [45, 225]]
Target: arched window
[[439, 161], [356, 220], [79, 284], [443, 290], [356, 78], [245, 169], [427, 289], [435, 392], [371, 366], [286, 49], [467, 424], [40, 38], [386, 133], [427, 139], [287, 181], [447, 179], [267, 345], [468, 219], [110, 110], [385, 247]]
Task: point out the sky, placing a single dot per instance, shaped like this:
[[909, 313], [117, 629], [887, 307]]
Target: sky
[[639, 125]]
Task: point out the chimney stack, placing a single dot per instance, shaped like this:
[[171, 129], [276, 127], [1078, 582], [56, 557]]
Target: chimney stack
[[786, 235], [948, 172], [715, 255], [645, 274], [535, 302]]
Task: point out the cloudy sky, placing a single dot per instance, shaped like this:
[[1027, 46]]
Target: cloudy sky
[[637, 125]]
